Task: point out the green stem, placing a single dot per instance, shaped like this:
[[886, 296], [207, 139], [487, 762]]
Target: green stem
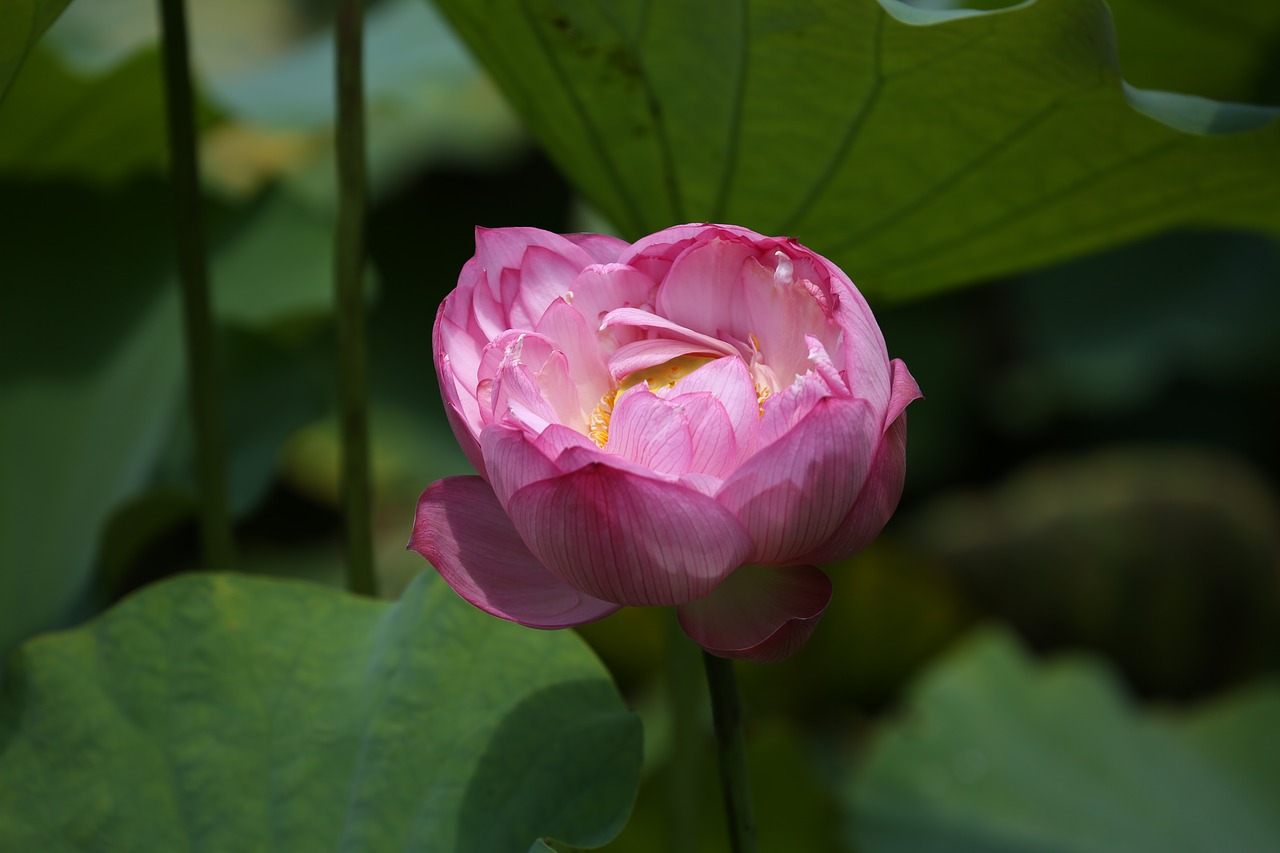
[[726, 713], [349, 296], [206, 412], [684, 690]]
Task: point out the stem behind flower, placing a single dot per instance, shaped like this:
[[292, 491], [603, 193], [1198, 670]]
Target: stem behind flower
[[726, 713]]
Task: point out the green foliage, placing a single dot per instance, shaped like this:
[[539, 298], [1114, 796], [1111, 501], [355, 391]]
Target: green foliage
[[996, 754], [88, 420], [22, 22], [62, 125], [219, 712], [919, 149]]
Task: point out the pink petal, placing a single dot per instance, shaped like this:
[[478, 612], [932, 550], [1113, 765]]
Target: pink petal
[[513, 460], [729, 381], [697, 291], [600, 288], [759, 614], [788, 408], [904, 391], [569, 332], [602, 248], [517, 398], [650, 432], [647, 320], [545, 276], [866, 361], [629, 539], [780, 315], [557, 438], [642, 355], [498, 249], [713, 446], [793, 494], [876, 501], [461, 528]]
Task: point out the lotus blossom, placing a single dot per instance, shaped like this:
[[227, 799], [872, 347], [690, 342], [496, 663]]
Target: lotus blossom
[[694, 420]]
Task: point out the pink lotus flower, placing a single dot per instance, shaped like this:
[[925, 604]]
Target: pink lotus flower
[[693, 420]]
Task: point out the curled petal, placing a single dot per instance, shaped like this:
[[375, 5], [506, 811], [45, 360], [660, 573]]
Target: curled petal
[[759, 614], [626, 538], [647, 320], [793, 494], [903, 391], [461, 528]]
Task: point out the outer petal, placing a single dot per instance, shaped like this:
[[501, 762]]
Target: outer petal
[[759, 614], [626, 538], [461, 528], [876, 501], [793, 494]]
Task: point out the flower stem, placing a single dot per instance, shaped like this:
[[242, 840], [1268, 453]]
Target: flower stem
[[202, 369], [349, 298], [685, 705], [726, 713]]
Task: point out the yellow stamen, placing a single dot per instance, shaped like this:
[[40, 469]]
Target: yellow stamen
[[762, 393], [598, 422]]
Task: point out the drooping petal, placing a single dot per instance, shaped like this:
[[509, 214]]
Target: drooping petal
[[648, 431], [648, 320], [461, 528], [794, 493], [876, 501], [758, 613], [626, 538]]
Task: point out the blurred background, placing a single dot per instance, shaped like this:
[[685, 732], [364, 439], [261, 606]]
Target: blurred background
[[1095, 465]]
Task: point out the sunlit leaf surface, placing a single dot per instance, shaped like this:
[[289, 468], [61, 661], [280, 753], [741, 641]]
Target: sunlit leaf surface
[[918, 148], [217, 712]]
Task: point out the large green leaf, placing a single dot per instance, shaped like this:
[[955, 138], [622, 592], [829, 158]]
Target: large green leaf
[[216, 712], [22, 22], [999, 755], [918, 148]]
